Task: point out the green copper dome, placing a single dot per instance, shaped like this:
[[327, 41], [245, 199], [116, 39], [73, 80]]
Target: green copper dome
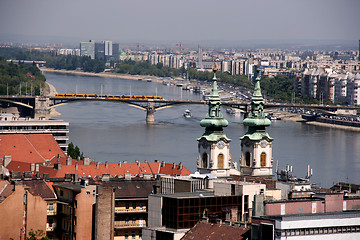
[[257, 121], [214, 120]]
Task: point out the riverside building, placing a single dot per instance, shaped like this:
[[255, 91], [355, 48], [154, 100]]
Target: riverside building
[[10, 124]]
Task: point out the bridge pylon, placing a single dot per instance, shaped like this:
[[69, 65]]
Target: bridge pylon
[[150, 113], [41, 109]]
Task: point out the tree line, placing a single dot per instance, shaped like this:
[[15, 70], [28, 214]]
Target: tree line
[[20, 78]]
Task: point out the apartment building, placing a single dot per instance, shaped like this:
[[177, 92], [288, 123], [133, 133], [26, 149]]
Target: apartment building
[[21, 211]]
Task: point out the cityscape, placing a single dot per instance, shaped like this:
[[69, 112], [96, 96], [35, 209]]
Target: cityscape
[[178, 121]]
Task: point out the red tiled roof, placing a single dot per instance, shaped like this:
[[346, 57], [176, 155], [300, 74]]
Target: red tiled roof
[[41, 148], [30, 148], [212, 231], [114, 169], [15, 166]]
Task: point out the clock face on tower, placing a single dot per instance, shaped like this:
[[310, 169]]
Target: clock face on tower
[[263, 143], [221, 144]]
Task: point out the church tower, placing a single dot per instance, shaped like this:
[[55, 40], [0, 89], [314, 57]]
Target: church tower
[[256, 144], [214, 146]]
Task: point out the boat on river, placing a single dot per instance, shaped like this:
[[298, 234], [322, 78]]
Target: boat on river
[[187, 113]]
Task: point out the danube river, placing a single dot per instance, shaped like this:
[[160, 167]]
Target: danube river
[[116, 132]]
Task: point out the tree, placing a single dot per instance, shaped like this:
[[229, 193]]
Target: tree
[[74, 151], [37, 235]]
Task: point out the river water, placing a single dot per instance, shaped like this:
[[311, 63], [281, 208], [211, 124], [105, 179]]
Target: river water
[[116, 132]]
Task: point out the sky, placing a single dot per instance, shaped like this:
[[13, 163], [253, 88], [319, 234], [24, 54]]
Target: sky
[[181, 20]]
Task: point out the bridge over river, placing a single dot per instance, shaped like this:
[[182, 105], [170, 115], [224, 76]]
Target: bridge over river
[[40, 106]]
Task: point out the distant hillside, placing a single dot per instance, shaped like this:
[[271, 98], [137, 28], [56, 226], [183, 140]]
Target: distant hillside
[[20, 78]]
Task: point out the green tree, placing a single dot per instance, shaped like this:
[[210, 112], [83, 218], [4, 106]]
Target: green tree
[[37, 235], [74, 151]]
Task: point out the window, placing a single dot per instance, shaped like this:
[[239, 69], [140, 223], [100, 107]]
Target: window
[[127, 221], [204, 160], [220, 161], [247, 159], [51, 207], [134, 221], [126, 235], [133, 234], [134, 205], [263, 159], [127, 205]]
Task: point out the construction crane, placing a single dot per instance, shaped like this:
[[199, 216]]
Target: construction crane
[[180, 44]]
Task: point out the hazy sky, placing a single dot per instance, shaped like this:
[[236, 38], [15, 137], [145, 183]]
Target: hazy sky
[[182, 20]]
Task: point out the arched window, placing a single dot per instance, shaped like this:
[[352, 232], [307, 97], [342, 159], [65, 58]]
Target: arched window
[[205, 160], [220, 161], [247, 159], [263, 159]]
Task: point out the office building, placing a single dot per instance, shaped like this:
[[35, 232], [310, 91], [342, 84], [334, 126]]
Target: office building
[[88, 49]]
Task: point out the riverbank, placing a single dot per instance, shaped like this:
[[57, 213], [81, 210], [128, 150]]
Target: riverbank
[[295, 117], [102, 74], [342, 127]]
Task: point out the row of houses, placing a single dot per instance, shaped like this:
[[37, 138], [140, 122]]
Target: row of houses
[[328, 85]]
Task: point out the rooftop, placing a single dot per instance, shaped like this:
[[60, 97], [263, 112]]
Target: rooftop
[[314, 216], [212, 231]]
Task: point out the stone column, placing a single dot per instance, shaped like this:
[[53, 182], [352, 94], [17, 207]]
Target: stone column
[[150, 110], [41, 109]]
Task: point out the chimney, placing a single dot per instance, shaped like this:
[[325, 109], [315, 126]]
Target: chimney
[[76, 166], [87, 161], [138, 162], [58, 156], [180, 166], [228, 222], [97, 165], [32, 167], [27, 175], [119, 164], [163, 164], [106, 164], [7, 160], [174, 166], [68, 161]]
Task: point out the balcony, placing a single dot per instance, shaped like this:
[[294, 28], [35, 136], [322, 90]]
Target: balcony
[[130, 224], [130, 210], [51, 212]]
